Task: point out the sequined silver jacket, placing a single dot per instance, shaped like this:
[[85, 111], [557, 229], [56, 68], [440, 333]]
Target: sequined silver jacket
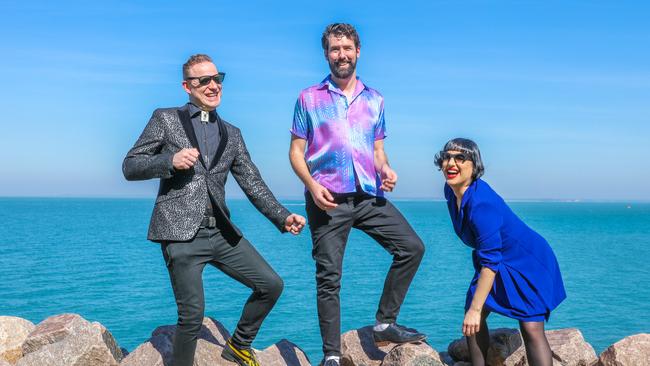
[[183, 194]]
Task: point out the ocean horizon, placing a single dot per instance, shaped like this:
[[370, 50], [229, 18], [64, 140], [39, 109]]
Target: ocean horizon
[[90, 256], [242, 197]]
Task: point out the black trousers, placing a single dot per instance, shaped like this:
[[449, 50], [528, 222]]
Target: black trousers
[[185, 262], [378, 218]]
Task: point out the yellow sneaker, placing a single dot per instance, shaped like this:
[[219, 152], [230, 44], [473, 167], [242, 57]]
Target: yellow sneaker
[[240, 356]]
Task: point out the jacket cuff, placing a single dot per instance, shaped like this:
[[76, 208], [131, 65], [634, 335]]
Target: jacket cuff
[[168, 159], [284, 214]]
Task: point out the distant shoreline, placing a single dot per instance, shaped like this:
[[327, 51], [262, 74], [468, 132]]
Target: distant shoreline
[[291, 199]]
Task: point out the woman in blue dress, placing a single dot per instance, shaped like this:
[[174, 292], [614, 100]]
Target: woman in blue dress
[[516, 275]]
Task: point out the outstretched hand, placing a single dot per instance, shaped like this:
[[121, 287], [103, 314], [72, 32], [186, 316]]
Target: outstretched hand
[[294, 224], [388, 178]]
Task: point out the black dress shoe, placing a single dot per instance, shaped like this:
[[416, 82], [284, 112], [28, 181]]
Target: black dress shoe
[[397, 334]]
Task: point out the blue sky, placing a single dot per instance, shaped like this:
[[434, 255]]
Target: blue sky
[[556, 95]]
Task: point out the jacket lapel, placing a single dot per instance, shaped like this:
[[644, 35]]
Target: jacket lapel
[[223, 140], [184, 115]]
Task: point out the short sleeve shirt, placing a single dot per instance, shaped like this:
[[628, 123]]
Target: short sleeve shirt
[[341, 135]]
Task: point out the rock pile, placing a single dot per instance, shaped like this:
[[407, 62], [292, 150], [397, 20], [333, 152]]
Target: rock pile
[[70, 340], [568, 346], [157, 350], [358, 349]]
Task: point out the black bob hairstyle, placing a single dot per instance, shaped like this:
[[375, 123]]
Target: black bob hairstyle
[[468, 147]]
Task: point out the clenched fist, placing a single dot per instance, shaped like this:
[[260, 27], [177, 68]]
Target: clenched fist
[[294, 224], [185, 159]]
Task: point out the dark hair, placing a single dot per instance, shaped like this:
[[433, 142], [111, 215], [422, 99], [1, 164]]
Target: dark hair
[[193, 60], [340, 30], [470, 148]]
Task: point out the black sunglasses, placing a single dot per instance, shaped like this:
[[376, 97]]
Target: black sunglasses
[[459, 158], [205, 80]]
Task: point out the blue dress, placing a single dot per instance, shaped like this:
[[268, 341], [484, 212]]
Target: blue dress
[[528, 283]]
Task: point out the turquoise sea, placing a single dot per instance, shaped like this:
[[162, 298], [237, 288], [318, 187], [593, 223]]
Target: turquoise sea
[[90, 256]]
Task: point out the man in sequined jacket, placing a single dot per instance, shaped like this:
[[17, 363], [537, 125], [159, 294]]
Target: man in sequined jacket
[[192, 150]]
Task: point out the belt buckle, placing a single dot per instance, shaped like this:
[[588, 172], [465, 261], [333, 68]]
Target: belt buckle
[[209, 222]]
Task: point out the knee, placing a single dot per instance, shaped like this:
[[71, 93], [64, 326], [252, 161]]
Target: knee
[[328, 282], [276, 287], [272, 287], [190, 316], [416, 249], [532, 331]]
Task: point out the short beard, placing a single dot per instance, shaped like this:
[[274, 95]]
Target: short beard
[[343, 74]]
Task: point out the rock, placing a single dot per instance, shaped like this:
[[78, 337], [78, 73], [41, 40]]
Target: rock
[[70, 340], [503, 342], [283, 353], [13, 332], [517, 358], [412, 354], [631, 350], [358, 349], [157, 350], [506, 348], [52, 330], [446, 358], [570, 348]]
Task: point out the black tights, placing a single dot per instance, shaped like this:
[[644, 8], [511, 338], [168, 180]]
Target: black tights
[[479, 343], [538, 351]]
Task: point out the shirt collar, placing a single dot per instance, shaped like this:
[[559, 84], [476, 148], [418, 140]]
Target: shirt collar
[[194, 111], [331, 86]]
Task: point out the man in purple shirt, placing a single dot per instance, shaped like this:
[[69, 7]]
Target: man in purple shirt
[[337, 150]]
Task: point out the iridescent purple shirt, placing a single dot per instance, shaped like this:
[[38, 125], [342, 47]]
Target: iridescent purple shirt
[[340, 135]]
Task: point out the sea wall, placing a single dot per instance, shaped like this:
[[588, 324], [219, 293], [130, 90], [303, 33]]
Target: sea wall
[[70, 340]]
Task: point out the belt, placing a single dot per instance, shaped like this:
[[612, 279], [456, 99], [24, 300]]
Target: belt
[[209, 222]]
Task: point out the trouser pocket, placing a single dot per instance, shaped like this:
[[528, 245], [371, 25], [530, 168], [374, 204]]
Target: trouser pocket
[[168, 259]]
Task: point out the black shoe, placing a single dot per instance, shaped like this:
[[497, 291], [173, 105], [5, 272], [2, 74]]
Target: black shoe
[[397, 334], [330, 362], [405, 328], [238, 355]]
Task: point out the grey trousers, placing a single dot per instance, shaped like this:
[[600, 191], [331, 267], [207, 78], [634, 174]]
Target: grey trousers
[[185, 262], [378, 218]]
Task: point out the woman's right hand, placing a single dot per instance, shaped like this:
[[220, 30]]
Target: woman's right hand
[[472, 322]]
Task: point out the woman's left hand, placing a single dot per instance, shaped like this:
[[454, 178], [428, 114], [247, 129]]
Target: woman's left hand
[[472, 322]]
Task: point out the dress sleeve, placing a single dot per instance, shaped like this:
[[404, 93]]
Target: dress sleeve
[[485, 223]]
